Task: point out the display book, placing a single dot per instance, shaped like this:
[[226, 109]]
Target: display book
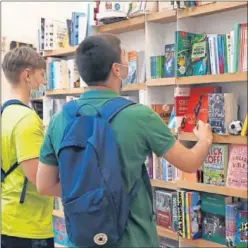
[[178, 117]]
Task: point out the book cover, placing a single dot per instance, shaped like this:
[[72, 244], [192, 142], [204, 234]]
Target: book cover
[[213, 215], [160, 66], [183, 50], [223, 108], [197, 107], [60, 233], [163, 110], [216, 113], [215, 165], [132, 67], [242, 229], [231, 213], [164, 208], [194, 215], [237, 167], [169, 65], [199, 54], [181, 100], [153, 67]]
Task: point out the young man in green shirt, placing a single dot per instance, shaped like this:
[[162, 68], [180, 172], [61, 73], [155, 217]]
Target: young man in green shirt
[[27, 224], [138, 131]]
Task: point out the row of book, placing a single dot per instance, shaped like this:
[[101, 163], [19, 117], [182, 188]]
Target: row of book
[[194, 215], [63, 74], [54, 34], [54, 105], [225, 165], [207, 104], [202, 54], [163, 66]]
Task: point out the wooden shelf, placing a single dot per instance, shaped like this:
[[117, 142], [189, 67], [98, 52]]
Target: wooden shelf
[[79, 91], [163, 16], [58, 213], [163, 232], [67, 51], [211, 8], [134, 87], [37, 99], [163, 184], [161, 82], [73, 91], [184, 184], [222, 139], [220, 78], [131, 24], [198, 243]]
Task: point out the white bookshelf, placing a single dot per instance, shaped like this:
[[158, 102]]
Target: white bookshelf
[[152, 34]]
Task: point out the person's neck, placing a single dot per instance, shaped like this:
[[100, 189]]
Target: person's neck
[[21, 94], [106, 86]]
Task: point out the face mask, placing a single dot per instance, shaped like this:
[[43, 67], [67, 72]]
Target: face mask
[[34, 93], [124, 81]]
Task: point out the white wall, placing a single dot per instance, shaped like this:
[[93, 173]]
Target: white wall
[[20, 22]]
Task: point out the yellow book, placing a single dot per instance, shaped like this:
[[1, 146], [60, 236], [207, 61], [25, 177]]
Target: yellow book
[[244, 129]]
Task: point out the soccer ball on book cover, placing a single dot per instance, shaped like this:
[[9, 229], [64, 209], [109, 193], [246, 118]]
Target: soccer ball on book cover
[[235, 127]]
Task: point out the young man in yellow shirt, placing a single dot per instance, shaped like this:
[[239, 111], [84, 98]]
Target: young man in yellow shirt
[[26, 215]]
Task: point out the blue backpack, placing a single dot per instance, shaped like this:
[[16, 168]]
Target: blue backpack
[[96, 203], [5, 174]]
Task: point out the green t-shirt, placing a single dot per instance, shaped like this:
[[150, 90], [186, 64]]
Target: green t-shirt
[[138, 131]]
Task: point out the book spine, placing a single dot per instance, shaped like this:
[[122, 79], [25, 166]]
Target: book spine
[[236, 47], [212, 55], [228, 46], [187, 212], [180, 213], [245, 127], [224, 44], [174, 212]]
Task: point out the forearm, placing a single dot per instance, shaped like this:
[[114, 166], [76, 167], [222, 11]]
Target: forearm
[[199, 152], [54, 191]]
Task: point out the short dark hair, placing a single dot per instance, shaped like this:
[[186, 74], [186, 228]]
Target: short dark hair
[[21, 58], [95, 57]]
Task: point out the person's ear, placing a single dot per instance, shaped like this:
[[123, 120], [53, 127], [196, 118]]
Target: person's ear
[[115, 69], [26, 75]]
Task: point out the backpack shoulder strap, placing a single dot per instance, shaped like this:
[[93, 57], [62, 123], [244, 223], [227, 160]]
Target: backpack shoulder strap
[[15, 165], [12, 102], [113, 106], [70, 109]]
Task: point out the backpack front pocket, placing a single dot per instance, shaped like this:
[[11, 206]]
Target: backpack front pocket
[[90, 219]]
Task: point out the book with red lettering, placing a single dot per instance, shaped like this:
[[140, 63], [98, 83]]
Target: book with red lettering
[[197, 107], [181, 98], [215, 165], [237, 167]]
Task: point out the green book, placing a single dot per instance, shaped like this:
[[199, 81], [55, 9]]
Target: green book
[[213, 216]]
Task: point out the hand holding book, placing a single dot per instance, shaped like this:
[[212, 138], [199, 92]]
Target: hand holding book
[[203, 132]]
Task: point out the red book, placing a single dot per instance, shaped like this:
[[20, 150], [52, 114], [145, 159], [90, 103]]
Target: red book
[[197, 107]]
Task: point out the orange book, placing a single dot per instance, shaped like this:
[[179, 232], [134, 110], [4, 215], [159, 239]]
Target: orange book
[[163, 110]]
